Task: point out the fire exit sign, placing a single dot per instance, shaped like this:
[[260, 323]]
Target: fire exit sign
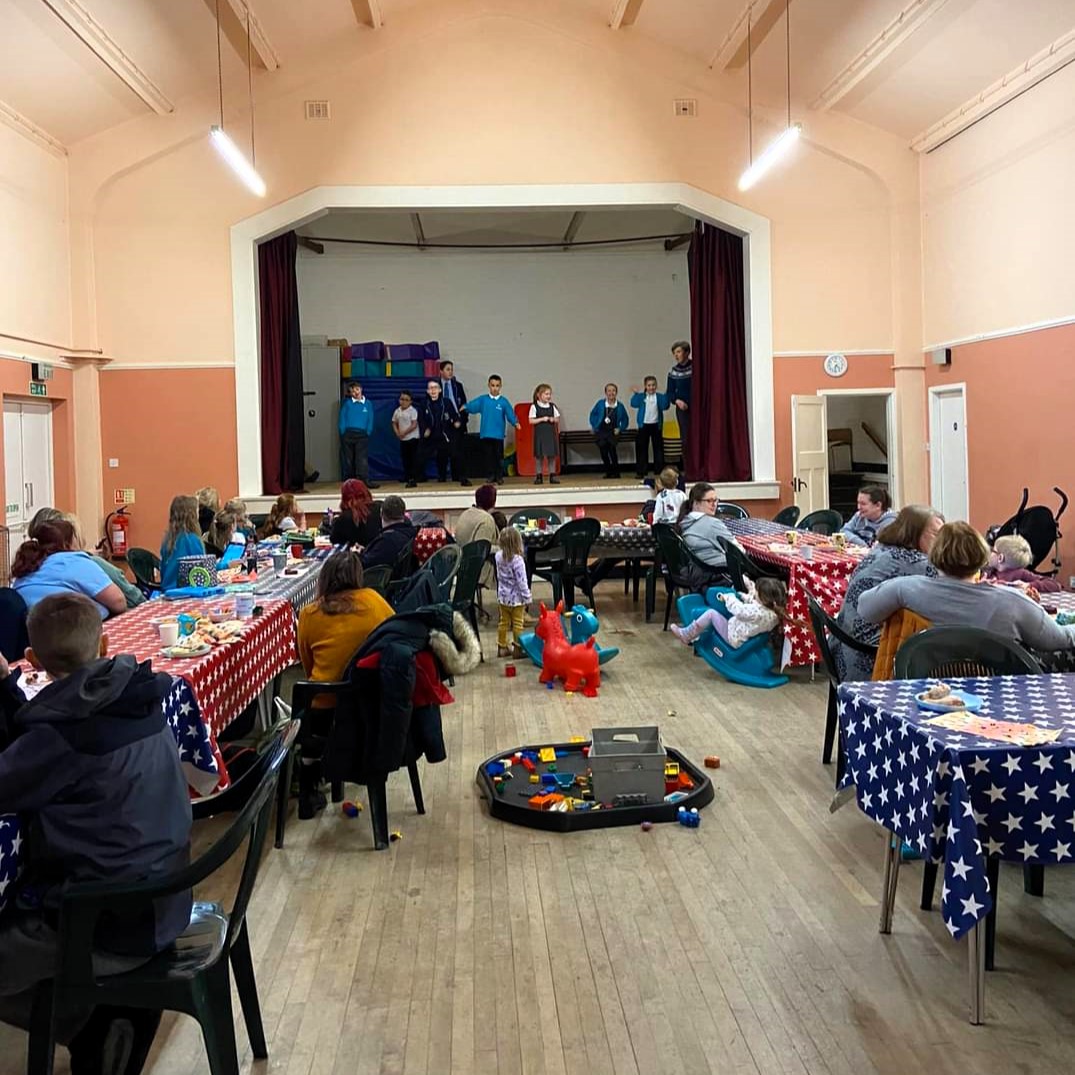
[[123, 496], [39, 388]]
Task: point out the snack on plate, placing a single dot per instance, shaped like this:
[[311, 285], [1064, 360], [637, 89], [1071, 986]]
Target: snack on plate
[[936, 692], [188, 644], [951, 701]]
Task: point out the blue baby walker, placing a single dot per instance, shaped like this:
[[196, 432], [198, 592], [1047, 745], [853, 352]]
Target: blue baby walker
[[751, 664]]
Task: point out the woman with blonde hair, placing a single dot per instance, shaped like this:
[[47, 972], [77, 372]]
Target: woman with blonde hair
[[284, 515], [208, 506], [182, 538]]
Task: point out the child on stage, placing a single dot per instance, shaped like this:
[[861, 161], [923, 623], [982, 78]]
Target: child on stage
[[494, 411], [650, 406], [545, 423], [608, 419], [405, 426]]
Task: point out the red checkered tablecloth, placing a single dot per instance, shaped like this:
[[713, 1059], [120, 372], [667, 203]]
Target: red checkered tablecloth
[[825, 575], [228, 678]]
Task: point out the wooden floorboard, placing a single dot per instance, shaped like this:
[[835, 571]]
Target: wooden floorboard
[[749, 945]]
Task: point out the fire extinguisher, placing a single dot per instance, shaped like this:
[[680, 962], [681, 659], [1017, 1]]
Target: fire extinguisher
[[116, 526]]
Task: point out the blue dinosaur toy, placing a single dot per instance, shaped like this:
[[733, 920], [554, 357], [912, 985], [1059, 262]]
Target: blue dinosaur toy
[[580, 624]]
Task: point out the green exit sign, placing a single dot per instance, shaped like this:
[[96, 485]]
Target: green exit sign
[[39, 388]]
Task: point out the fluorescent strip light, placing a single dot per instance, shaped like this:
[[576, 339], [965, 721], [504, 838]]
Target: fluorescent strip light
[[239, 164], [773, 152]]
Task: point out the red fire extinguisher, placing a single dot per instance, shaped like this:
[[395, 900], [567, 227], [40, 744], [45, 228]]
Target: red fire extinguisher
[[116, 526]]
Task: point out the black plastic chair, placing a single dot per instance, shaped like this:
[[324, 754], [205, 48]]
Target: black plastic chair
[[376, 578], [571, 560], [788, 516], [444, 564], [740, 566], [732, 511], [522, 518], [959, 652], [681, 569], [404, 562], [824, 625], [824, 521], [191, 976], [13, 637], [467, 577], [146, 566], [302, 696]]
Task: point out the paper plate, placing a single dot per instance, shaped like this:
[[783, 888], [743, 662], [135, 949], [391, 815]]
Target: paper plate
[[177, 654], [971, 704]]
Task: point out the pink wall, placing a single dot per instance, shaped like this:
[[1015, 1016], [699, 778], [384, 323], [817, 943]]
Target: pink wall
[[173, 431], [1017, 431]]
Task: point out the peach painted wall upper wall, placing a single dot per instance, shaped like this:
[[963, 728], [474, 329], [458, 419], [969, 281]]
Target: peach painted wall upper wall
[[998, 218], [35, 284], [527, 93]]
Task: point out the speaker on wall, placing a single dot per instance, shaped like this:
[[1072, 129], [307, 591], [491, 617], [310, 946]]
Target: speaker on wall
[[942, 356]]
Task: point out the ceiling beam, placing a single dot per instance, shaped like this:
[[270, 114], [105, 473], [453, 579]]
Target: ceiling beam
[[913, 17], [1039, 67], [732, 51], [259, 42], [624, 13], [18, 122], [94, 36], [368, 13], [572, 229], [419, 231]]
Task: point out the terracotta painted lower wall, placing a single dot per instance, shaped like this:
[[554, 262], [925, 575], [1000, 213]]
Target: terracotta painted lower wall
[[173, 431], [1018, 432], [15, 385]]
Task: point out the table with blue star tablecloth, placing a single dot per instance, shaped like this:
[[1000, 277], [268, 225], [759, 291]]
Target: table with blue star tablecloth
[[959, 797]]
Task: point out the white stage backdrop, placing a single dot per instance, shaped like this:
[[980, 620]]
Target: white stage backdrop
[[575, 320]]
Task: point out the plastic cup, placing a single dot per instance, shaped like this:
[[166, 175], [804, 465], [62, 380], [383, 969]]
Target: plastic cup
[[279, 561], [297, 552], [169, 632], [543, 524], [244, 606]]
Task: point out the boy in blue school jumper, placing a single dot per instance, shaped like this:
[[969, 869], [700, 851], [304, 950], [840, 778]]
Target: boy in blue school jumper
[[356, 428], [493, 410], [650, 406], [608, 419]]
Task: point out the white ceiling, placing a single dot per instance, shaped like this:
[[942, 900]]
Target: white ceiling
[[49, 76]]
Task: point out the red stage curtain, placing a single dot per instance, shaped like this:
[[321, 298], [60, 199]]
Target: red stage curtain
[[718, 434], [283, 435]]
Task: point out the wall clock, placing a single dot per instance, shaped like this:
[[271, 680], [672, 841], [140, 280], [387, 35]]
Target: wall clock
[[836, 365]]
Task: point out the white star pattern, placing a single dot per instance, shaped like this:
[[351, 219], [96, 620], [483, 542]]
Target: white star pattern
[[961, 868], [971, 907]]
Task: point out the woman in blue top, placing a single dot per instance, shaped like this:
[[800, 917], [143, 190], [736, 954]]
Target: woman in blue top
[[49, 563], [182, 538]]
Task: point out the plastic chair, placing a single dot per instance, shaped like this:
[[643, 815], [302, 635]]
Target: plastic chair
[[376, 578], [751, 664], [678, 564], [943, 652], [732, 511], [302, 696], [467, 577], [444, 564], [954, 652], [824, 626], [521, 518], [822, 521], [401, 567], [571, 560], [788, 516], [740, 565], [13, 637], [146, 566], [192, 976]]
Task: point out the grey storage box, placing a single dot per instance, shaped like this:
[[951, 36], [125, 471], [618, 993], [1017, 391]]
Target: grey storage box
[[627, 761]]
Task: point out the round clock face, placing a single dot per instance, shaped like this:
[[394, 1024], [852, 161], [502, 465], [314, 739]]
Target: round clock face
[[836, 365]]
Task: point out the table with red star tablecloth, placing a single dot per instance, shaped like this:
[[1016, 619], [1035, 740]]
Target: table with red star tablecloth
[[825, 575]]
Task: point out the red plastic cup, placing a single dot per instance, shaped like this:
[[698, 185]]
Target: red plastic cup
[[509, 671], [297, 551], [543, 524]]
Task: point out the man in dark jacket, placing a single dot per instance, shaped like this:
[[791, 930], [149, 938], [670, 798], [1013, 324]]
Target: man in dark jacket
[[93, 771], [397, 532]]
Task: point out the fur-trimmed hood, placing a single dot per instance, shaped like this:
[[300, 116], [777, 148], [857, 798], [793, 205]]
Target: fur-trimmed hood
[[459, 654]]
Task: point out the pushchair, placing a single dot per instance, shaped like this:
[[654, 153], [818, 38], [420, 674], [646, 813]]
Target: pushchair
[[1040, 528]]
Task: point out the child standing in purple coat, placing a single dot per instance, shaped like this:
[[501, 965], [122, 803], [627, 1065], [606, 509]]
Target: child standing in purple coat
[[512, 591]]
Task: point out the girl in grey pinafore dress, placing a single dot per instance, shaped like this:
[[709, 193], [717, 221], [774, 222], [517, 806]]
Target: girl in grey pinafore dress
[[545, 425]]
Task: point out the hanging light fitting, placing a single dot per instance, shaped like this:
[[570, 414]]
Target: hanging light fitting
[[787, 138]]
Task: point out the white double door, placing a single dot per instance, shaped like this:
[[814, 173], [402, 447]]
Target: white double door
[[27, 465]]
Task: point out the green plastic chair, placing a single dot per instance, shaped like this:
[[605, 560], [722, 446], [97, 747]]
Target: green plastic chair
[[146, 566], [191, 976], [571, 560], [732, 511], [822, 521], [788, 516], [678, 564], [465, 598], [376, 578]]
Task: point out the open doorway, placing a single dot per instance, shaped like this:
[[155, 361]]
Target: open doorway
[[861, 438]]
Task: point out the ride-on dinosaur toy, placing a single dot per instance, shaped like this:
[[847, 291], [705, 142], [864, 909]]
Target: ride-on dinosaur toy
[[576, 665], [580, 624]]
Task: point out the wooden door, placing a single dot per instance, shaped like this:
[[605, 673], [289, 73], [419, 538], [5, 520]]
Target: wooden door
[[810, 453]]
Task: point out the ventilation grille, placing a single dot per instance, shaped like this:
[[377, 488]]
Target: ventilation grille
[[317, 110], [685, 106]]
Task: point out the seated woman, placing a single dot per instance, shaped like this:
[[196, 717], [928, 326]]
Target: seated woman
[[873, 515], [477, 524], [182, 538], [1010, 562], [953, 598], [331, 629], [225, 539], [359, 521], [237, 507], [52, 563], [701, 529], [902, 549], [284, 515], [208, 506]]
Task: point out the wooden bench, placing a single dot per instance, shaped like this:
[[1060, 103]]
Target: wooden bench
[[581, 437]]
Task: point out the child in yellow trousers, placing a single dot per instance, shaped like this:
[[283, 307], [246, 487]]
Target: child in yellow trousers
[[512, 591]]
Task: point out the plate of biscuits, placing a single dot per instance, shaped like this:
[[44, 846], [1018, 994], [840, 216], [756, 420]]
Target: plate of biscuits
[[940, 698]]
